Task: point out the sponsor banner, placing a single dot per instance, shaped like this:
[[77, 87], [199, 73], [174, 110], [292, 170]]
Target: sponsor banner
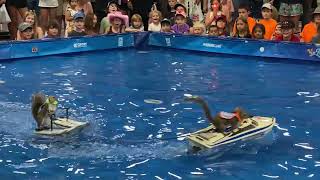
[[23, 49], [247, 47]]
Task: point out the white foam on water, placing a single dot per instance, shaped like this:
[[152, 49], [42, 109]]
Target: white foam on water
[[303, 93], [174, 175], [134, 164], [136, 105], [304, 145], [60, 74], [158, 177], [282, 166], [19, 172], [129, 128], [270, 176], [196, 173]]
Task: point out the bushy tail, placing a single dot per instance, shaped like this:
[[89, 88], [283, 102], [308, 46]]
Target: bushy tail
[[204, 105], [38, 100]]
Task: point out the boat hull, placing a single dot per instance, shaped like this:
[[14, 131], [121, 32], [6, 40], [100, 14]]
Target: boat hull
[[208, 138], [63, 126]]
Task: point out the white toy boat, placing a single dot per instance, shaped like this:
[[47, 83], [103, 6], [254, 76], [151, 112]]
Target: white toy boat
[[208, 138], [62, 126]]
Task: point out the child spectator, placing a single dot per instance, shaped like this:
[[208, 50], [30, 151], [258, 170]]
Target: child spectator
[[90, 24], [32, 19], [155, 18], [221, 24], [316, 38], [244, 13], [213, 30], [242, 28], [181, 9], [258, 31], [277, 32], [310, 29], [78, 20], [180, 27], [70, 12], [198, 29], [166, 26], [25, 31], [118, 23], [213, 13], [53, 30], [269, 23], [136, 24], [112, 7], [287, 29]]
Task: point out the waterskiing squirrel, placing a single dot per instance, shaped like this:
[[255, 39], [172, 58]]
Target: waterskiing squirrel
[[43, 109], [222, 120]]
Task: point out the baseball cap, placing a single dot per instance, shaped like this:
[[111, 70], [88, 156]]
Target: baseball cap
[[267, 5], [78, 15], [23, 26]]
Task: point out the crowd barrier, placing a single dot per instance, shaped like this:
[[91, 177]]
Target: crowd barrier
[[247, 47]]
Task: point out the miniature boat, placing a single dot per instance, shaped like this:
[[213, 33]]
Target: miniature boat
[[208, 138], [62, 126]]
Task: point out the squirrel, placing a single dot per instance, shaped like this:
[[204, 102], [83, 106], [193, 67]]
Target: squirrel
[[43, 109], [222, 120]]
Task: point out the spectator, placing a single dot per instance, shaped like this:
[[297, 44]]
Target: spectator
[[291, 10], [310, 29], [31, 18], [166, 26], [90, 24], [136, 24], [244, 13], [269, 23], [258, 31], [198, 29], [84, 6], [171, 9], [155, 19], [213, 13], [180, 27], [25, 31], [53, 30], [287, 29], [316, 38], [78, 21], [277, 32], [17, 10], [242, 28], [213, 30], [112, 7], [142, 8], [118, 23], [222, 25], [70, 12], [181, 9]]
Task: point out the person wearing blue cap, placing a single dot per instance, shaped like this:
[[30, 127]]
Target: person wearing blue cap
[[78, 20]]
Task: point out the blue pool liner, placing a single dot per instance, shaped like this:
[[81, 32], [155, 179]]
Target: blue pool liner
[[247, 47]]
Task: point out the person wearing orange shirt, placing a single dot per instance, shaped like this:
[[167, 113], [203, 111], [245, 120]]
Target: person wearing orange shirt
[[269, 23], [310, 29], [244, 12]]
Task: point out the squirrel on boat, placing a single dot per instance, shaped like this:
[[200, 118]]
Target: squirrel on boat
[[223, 120], [43, 110]]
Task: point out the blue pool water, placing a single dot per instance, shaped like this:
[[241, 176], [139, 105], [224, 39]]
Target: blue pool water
[[131, 139]]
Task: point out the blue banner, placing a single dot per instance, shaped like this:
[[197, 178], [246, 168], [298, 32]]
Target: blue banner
[[248, 47], [23, 49]]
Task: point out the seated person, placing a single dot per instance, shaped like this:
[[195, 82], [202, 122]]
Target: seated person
[[258, 31], [316, 38], [166, 26], [53, 30], [118, 23], [213, 31], [25, 31], [78, 21], [180, 27], [198, 29], [287, 30]]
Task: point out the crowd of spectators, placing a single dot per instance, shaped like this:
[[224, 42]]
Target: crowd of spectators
[[279, 20]]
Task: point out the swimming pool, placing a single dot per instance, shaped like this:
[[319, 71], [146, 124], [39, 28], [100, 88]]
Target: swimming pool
[[109, 89]]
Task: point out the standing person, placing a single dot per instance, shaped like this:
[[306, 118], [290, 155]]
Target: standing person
[[85, 6], [242, 28], [48, 11], [269, 23], [310, 29], [17, 10], [244, 13], [291, 10], [99, 9], [143, 8]]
